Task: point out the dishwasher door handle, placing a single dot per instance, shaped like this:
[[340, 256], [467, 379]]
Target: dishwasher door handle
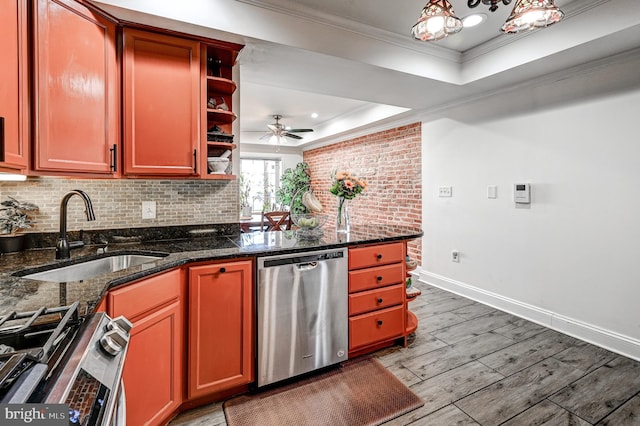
[[306, 266]]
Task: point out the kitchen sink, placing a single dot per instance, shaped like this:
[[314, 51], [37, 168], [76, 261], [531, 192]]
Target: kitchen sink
[[93, 268]]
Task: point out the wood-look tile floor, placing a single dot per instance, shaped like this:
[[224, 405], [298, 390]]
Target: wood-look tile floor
[[475, 365]]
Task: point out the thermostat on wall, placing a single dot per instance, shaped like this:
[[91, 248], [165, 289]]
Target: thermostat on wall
[[522, 193]]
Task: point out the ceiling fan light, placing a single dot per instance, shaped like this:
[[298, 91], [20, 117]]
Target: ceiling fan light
[[437, 21], [532, 14]]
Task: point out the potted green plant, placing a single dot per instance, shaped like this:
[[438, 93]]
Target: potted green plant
[[245, 194], [293, 184], [13, 219]]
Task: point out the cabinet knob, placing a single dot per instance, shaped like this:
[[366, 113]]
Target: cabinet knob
[[378, 256], [223, 270], [379, 322], [379, 300], [379, 278]]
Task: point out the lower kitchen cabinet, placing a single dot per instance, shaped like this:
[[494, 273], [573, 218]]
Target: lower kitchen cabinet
[[220, 324], [377, 307], [153, 370]]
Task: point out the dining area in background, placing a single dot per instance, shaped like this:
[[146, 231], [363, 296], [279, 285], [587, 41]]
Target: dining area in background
[[266, 221]]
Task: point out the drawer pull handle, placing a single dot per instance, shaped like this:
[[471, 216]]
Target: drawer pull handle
[[378, 256], [379, 300], [379, 322], [379, 277], [223, 270]]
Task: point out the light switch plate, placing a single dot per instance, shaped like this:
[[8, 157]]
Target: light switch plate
[[148, 209], [445, 191], [492, 191]]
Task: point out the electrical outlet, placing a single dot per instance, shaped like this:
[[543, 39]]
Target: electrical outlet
[[148, 209], [445, 191], [455, 256]]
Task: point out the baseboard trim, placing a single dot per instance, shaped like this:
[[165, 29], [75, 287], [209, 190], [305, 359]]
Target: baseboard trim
[[606, 339]]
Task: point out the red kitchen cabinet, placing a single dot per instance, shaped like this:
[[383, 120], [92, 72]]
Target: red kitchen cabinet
[[14, 85], [220, 327], [153, 370], [76, 86], [161, 108], [377, 297]]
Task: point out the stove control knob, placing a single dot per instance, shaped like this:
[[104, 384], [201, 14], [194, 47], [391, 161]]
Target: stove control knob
[[121, 323], [114, 341]]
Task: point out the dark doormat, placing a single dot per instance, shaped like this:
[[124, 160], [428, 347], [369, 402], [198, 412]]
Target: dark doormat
[[360, 392]]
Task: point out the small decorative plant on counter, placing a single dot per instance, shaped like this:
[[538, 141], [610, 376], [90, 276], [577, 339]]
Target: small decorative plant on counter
[[13, 219], [345, 187]]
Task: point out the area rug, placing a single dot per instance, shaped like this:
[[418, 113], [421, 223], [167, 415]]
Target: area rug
[[358, 393]]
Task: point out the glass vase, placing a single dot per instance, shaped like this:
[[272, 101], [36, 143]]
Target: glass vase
[[342, 219]]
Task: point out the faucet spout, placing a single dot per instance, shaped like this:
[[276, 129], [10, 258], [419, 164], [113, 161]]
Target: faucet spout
[[63, 247]]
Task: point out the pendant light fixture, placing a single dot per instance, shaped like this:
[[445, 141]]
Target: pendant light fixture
[[532, 14], [437, 21], [493, 4]]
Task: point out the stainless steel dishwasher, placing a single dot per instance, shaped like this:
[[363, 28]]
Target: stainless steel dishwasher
[[302, 313]]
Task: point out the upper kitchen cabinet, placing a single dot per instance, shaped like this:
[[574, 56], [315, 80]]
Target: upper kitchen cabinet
[[161, 111], [217, 102], [13, 86], [76, 87]]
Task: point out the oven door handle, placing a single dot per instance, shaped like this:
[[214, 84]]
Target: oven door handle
[[120, 415]]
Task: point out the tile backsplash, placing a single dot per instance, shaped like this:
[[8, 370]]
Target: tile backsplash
[[118, 203]]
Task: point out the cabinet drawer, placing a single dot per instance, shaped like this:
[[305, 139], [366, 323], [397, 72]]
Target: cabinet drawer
[[383, 254], [366, 301], [376, 326], [370, 278], [145, 295]]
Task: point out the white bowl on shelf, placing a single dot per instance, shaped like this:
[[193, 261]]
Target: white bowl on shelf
[[217, 165]]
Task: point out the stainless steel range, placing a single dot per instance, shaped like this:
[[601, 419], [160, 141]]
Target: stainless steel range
[[53, 356]]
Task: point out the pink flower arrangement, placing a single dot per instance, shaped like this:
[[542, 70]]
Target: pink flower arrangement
[[347, 186]]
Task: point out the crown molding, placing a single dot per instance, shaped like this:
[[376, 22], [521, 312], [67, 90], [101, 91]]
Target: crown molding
[[378, 34], [399, 120]]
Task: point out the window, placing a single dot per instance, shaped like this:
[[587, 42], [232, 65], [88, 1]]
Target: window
[[263, 178]]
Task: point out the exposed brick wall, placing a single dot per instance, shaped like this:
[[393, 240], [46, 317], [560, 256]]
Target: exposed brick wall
[[118, 203], [391, 163]]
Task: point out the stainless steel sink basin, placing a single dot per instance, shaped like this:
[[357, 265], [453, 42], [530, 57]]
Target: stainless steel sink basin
[[93, 268]]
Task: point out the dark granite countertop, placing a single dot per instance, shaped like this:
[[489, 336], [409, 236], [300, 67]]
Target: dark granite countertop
[[22, 294]]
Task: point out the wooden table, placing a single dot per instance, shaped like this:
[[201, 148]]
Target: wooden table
[[248, 222]]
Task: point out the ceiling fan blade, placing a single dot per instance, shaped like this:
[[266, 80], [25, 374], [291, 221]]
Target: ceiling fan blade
[[300, 130], [272, 127], [290, 135], [267, 136]]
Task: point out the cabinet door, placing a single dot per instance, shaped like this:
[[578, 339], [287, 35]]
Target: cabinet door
[[220, 327], [161, 89], [13, 85], [76, 88], [153, 377]]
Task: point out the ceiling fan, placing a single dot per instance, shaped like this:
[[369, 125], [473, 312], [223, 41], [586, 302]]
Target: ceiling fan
[[278, 131]]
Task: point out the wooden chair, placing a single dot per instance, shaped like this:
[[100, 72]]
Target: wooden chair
[[276, 221]]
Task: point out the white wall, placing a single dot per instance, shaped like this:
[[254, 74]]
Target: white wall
[[290, 156], [569, 260]]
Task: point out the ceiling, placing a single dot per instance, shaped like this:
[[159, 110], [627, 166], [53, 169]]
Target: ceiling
[[355, 64]]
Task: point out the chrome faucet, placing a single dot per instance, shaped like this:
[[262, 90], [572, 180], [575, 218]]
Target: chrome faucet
[[63, 247]]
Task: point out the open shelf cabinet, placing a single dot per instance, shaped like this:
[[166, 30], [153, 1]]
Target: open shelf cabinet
[[218, 114]]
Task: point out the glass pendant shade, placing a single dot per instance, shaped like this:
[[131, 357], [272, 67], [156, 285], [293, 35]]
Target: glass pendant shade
[[437, 21], [532, 14]]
